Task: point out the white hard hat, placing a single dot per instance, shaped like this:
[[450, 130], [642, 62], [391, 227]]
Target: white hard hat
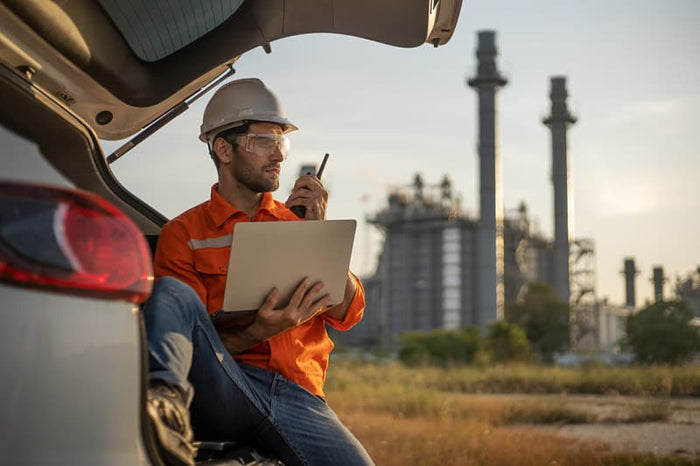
[[239, 102]]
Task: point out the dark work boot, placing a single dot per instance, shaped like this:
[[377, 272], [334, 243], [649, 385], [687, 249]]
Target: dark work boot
[[170, 420]]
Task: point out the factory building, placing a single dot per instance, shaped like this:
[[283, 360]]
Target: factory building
[[443, 268], [688, 289], [427, 272]]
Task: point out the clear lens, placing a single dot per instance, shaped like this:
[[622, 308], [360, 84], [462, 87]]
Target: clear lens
[[266, 144]]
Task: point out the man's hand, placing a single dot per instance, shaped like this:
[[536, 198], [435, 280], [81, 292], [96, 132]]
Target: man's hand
[[303, 305], [308, 191], [269, 321]]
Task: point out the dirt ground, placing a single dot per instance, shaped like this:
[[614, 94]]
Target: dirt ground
[[628, 424]]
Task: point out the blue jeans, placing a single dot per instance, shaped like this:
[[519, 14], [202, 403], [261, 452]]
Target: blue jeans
[[233, 401]]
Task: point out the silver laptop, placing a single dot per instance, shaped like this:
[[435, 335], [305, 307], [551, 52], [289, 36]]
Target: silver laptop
[[281, 254]]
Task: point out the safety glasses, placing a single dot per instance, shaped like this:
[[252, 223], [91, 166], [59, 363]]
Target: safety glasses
[[264, 145]]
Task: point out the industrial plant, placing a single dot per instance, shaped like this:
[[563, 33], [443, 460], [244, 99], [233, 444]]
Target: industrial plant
[[441, 268]]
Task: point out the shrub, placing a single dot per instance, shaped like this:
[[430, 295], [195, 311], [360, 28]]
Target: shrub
[[662, 333], [440, 347], [544, 317], [507, 342]]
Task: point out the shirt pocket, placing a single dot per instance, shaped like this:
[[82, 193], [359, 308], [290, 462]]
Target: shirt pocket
[[211, 266]]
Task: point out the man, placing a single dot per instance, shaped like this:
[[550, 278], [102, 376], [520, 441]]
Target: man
[[260, 380]]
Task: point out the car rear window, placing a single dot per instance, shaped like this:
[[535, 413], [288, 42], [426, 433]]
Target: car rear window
[[157, 28]]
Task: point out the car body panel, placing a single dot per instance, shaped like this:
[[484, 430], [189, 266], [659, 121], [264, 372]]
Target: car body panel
[[65, 369]]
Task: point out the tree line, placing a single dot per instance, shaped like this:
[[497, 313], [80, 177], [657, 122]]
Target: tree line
[[538, 327]]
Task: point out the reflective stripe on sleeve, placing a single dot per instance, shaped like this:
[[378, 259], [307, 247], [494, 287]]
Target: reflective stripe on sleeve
[[219, 242]]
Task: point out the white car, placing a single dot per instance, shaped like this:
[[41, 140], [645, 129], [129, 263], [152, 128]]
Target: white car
[[75, 246]]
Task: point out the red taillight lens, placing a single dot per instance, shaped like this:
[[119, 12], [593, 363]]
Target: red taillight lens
[[73, 242]]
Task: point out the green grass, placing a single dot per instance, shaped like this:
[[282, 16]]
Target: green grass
[[531, 379]]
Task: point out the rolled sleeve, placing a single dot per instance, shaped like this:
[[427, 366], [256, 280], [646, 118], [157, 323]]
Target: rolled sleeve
[[354, 313]]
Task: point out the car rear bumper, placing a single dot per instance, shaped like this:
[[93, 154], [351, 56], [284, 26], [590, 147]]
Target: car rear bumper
[[71, 380]]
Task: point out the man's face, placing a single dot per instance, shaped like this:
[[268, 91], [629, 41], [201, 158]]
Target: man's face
[[255, 169]]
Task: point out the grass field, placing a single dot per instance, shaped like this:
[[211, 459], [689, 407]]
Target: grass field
[[432, 416]]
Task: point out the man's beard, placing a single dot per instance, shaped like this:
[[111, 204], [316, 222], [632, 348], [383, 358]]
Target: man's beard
[[245, 175]]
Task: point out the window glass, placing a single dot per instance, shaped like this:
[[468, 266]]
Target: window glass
[[147, 26]]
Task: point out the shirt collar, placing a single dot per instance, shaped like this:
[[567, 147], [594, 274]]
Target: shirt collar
[[221, 210]]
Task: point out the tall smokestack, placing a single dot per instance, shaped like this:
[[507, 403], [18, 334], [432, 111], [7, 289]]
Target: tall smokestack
[[630, 273], [658, 280], [558, 122], [490, 234]]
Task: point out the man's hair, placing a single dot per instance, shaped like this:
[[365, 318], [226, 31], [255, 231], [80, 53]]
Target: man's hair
[[229, 136]]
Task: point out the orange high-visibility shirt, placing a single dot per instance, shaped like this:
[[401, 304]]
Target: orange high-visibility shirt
[[194, 248]]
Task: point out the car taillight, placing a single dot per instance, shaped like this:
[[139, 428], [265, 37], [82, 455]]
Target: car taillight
[[72, 242]]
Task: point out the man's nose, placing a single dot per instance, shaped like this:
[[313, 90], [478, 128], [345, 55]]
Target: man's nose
[[277, 155]]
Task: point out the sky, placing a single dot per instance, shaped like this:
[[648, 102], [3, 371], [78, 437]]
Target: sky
[[386, 113]]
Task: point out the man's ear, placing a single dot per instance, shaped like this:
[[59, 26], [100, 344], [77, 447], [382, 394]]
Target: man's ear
[[223, 150]]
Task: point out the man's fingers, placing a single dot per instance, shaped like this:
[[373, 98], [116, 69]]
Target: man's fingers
[[271, 301], [307, 194], [309, 182], [308, 191], [299, 293], [308, 187], [299, 196], [322, 304], [296, 199], [311, 296]]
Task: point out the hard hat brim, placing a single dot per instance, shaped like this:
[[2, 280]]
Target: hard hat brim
[[287, 127]]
